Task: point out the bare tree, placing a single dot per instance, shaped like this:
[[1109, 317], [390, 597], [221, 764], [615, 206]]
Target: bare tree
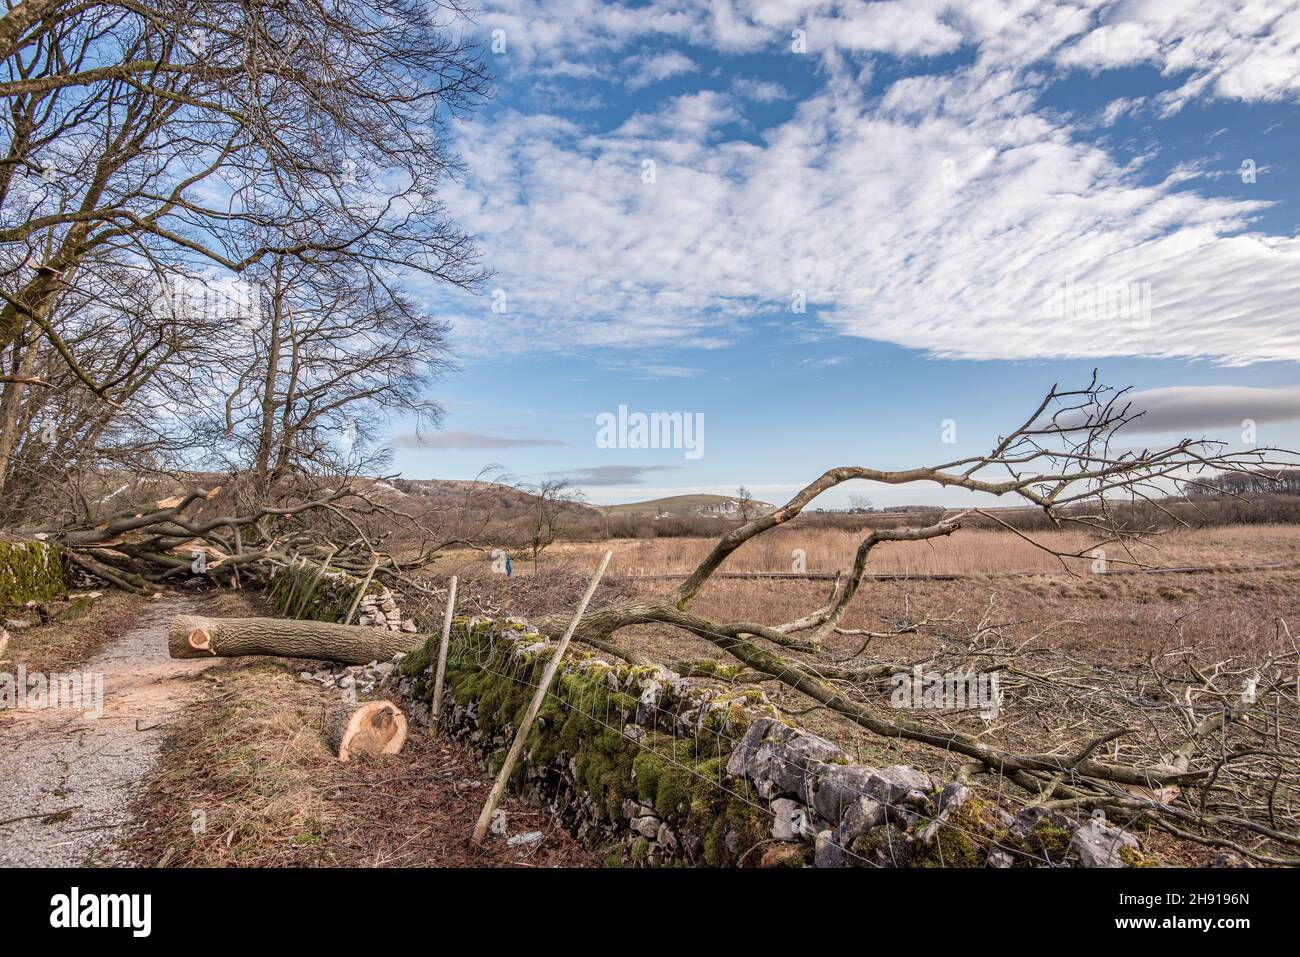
[[297, 149], [1064, 459], [331, 358], [221, 132], [550, 500], [56, 437], [745, 502]]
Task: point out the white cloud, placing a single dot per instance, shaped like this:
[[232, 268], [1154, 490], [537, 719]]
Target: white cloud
[[761, 91], [1119, 107], [1223, 49], [939, 217], [647, 68]]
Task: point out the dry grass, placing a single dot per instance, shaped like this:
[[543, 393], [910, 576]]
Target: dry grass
[[75, 632], [1103, 631], [968, 552], [251, 757]]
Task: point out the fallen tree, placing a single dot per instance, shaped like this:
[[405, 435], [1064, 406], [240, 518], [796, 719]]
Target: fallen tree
[[192, 636], [1192, 734], [1068, 459], [236, 533]]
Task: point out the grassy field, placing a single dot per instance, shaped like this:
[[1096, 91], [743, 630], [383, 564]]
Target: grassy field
[[974, 552], [1105, 641]]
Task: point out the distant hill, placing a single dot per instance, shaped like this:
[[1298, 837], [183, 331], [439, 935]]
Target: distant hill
[[706, 506]]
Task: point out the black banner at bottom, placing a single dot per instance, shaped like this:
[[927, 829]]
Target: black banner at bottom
[[135, 907]]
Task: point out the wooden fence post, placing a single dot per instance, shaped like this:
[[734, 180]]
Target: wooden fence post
[[552, 666], [436, 712], [361, 592]]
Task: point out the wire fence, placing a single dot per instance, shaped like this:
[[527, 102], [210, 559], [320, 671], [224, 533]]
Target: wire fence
[[504, 664], [954, 576]]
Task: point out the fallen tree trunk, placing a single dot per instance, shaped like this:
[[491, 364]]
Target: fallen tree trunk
[[376, 727], [192, 636]]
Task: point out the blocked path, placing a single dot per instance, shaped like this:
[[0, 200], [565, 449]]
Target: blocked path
[[67, 778]]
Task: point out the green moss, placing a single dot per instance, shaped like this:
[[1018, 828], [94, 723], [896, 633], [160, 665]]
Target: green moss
[[647, 767], [613, 856], [953, 848], [30, 571], [1046, 842], [965, 837], [640, 853], [302, 592], [1134, 858], [708, 668], [420, 659], [580, 727], [880, 844]]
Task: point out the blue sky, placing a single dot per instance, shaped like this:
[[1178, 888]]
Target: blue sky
[[856, 217]]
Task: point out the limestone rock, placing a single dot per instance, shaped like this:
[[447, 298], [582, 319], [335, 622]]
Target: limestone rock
[[789, 819], [897, 782], [827, 852], [802, 752], [666, 838], [862, 815], [834, 787], [762, 743], [647, 826], [1098, 844]]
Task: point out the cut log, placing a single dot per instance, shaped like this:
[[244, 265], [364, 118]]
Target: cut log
[[376, 727], [193, 636]]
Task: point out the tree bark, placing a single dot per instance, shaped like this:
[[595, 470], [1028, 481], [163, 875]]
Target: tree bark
[[192, 636], [10, 403]]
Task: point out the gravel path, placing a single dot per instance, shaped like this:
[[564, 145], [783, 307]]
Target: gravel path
[[68, 777]]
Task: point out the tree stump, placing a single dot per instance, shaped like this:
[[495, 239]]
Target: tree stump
[[376, 727]]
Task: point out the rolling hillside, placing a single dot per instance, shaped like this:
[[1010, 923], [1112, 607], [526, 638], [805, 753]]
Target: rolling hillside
[[720, 506]]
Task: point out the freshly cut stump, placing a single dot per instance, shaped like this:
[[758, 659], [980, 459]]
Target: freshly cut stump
[[376, 727]]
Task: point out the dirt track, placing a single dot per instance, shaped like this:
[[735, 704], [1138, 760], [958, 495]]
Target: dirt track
[[69, 776]]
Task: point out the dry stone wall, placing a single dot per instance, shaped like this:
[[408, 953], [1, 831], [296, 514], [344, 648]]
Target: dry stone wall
[[658, 769]]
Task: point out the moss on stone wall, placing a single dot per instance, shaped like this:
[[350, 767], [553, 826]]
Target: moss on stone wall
[[300, 591], [655, 769], [590, 757], [30, 571]]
